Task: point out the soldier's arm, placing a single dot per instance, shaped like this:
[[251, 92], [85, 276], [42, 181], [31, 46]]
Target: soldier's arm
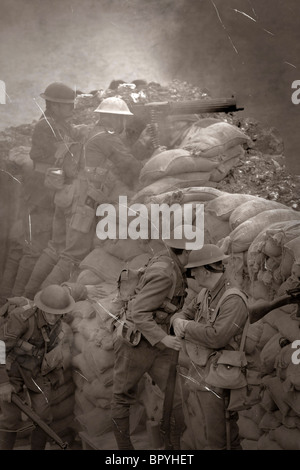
[[229, 323], [156, 285], [43, 142]]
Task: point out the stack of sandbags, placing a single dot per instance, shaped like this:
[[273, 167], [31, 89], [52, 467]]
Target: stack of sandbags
[[204, 156], [92, 362], [220, 141]]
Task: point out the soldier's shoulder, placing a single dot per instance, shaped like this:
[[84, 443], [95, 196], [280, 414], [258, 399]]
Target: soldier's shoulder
[[163, 262], [23, 313]]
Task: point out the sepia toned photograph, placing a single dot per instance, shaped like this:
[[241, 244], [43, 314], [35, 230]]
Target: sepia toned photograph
[[150, 227]]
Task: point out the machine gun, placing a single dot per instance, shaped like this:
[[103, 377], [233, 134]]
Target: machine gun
[[261, 308], [37, 420], [154, 113]]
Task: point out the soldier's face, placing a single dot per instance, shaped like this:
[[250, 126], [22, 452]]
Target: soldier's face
[[50, 318]]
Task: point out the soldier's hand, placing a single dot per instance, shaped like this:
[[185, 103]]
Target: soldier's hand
[[179, 326], [171, 342], [6, 389], [95, 291]]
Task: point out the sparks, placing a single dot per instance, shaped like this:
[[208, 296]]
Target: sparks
[[245, 14]]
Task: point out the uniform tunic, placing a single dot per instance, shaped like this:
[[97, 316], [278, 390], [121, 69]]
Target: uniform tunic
[[149, 355]]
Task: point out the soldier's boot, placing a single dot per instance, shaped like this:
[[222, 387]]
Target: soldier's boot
[[25, 269], [7, 440], [122, 433], [61, 272], [38, 439], [42, 268], [177, 427]]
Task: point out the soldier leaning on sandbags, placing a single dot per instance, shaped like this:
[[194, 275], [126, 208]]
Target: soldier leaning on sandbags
[[159, 293], [50, 132], [206, 329], [105, 169]]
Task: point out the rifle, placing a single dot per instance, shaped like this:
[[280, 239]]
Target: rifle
[[165, 425], [37, 420], [261, 308], [155, 112]]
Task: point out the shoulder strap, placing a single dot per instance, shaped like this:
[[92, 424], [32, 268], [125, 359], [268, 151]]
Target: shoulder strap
[[227, 293]]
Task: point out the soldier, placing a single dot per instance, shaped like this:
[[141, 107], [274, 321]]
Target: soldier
[[105, 170], [32, 333], [51, 132], [159, 293], [205, 330]]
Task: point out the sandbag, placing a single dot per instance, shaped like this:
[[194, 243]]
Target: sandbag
[[293, 247], [288, 439], [98, 359], [227, 161], [250, 209], [123, 249], [95, 422], [62, 392], [266, 443], [98, 261], [255, 413], [82, 364], [184, 195], [248, 429], [89, 328], [268, 354], [82, 404], [168, 184], [213, 140], [88, 278], [242, 236], [174, 162], [274, 385], [224, 205], [83, 309]]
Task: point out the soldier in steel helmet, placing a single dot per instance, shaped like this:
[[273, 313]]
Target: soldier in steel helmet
[[212, 321], [32, 334], [108, 170], [106, 150], [51, 132], [159, 294]]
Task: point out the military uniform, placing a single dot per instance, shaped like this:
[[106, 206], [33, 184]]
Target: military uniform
[[107, 171], [37, 207], [28, 339], [146, 312], [207, 332]]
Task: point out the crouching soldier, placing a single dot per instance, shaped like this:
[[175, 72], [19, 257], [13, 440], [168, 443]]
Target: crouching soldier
[[32, 335]]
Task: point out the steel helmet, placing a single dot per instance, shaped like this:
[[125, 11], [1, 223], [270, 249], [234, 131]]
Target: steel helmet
[[113, 105], [59, 93], [180, 241], [54, 299], [208, 254]]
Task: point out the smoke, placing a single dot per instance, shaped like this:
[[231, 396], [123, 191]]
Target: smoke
[[244, 47]]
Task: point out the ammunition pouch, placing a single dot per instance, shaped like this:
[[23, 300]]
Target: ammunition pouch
[[54, 179], [83, 218], [52, 360], [129, 334]]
